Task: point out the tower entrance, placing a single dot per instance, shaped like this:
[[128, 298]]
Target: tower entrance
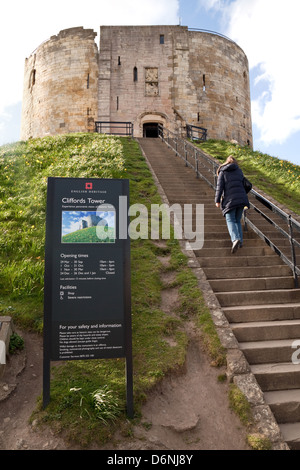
[[150, 129]]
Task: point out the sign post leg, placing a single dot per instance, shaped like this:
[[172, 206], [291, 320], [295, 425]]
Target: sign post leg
[[46, 383], [129, 387]]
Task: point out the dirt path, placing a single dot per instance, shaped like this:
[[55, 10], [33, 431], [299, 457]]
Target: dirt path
[[186, 412], [23, 381], [190, 412]]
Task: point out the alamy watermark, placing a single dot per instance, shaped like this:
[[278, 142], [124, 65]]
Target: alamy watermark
[[156, 223], [296, 354]]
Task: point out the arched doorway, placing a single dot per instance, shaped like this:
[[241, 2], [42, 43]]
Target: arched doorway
[[150, 129], [148, 123]]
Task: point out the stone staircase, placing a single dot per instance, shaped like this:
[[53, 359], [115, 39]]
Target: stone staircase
[[256, 292], [254, 288]]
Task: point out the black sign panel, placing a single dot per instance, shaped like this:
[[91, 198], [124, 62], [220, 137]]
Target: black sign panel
[[87, 270]]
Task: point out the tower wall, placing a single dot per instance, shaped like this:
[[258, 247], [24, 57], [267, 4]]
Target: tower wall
[[219, 75], [60, 85], [175, 76], [136, 73]]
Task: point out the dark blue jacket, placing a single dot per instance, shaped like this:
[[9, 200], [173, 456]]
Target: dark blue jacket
[[230, 186]]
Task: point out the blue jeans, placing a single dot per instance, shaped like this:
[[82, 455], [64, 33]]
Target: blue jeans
[[233, 220]]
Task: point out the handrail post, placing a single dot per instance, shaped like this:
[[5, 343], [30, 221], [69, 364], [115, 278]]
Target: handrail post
[[185, 153], [197, 164], [293, 252], [245, 221], [215, 176]]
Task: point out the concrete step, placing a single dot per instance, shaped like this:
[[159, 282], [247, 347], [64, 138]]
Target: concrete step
[[266, 297], [226, 243], [179, 192], [291, 434], [232, 260], [261, 222], [213, 228], [237, 272], [251, 284], [267, 330], [182, 198], [272, 235], [224, 236], [285, 405], [255, 313], [226, 251], [273, 376], [261, 352]]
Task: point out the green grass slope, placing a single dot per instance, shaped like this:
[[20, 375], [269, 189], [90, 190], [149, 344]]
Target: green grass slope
[[89, 235]]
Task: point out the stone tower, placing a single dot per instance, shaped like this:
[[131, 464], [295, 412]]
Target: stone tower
[[143, 74]]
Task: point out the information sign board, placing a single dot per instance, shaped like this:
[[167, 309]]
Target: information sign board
[[87, 311]]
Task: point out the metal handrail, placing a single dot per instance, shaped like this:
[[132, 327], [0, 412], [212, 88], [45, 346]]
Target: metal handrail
[[192, 156], [206, 168], [114, 127], [290, 222]]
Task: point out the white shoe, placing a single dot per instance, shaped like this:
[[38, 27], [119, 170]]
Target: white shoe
[[235, 246]]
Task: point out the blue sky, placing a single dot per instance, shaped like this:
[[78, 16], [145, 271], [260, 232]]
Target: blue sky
[[267, 31]]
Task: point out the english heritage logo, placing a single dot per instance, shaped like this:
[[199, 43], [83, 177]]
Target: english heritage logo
[[88, 185]]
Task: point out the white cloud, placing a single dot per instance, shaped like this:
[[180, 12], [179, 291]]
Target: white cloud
[[26, 24], [268, 32]]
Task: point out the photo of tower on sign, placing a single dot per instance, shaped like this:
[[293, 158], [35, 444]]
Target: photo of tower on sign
[[88, 227]]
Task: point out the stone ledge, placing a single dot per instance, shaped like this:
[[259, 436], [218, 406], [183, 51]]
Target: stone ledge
[[249, 387], [6, 330], [267, 425]]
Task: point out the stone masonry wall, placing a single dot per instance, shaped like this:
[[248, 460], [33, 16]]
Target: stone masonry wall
[[171, 75], [219, 72], [135, 75], [60, 85]]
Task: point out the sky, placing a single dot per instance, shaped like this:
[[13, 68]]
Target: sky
[[266, 30]]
